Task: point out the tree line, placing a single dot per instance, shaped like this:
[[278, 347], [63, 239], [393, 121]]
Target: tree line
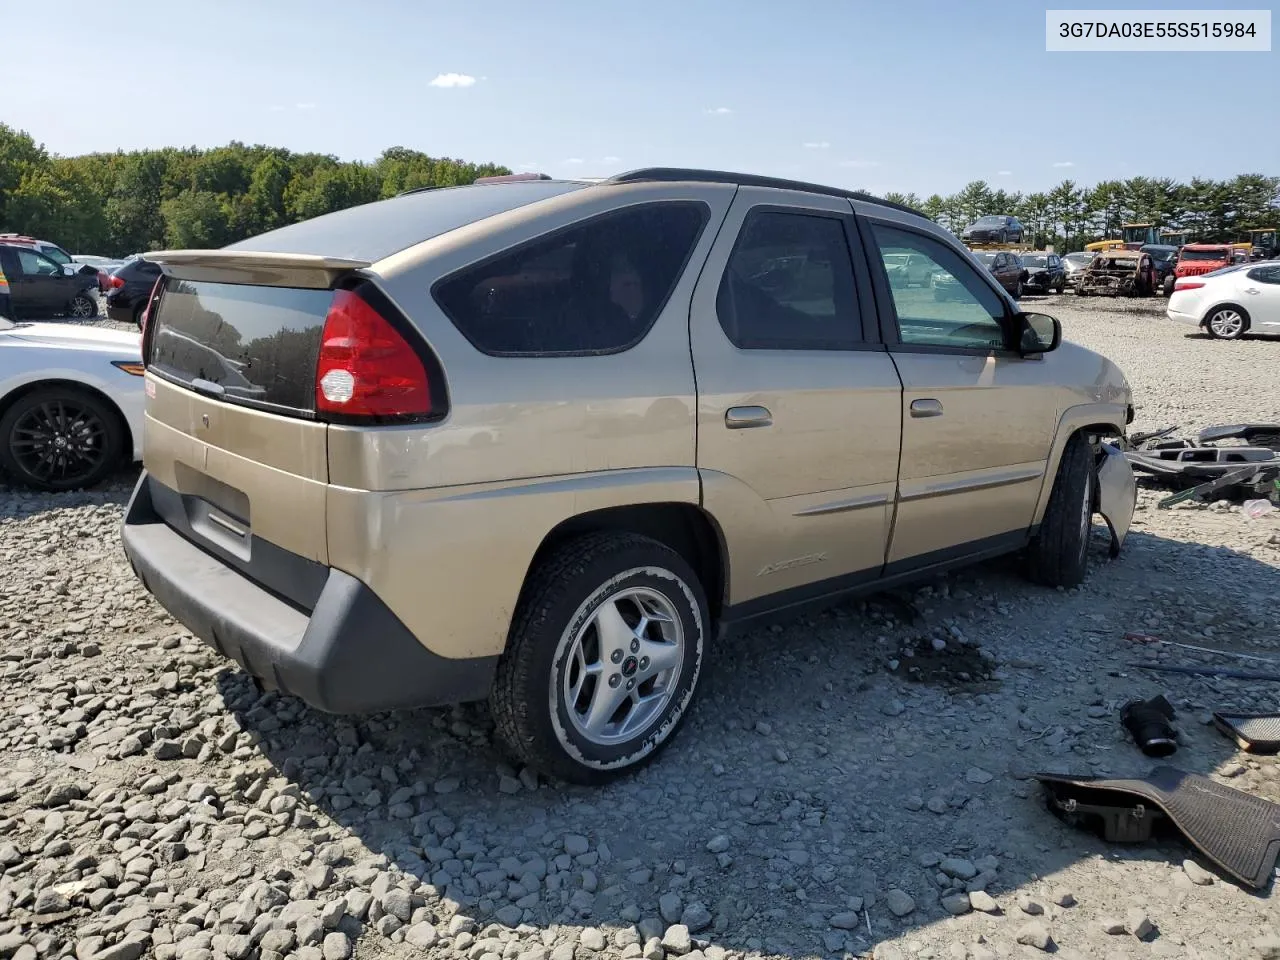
[[128, 202], [116, 204], [1069, 215]]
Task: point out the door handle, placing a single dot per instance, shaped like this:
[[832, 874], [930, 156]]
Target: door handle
[[1250, 289], [926, 408], [739, 418]]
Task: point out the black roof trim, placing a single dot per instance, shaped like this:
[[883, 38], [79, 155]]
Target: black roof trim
[[675, 174]]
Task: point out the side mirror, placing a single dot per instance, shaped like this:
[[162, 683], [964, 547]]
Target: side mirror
[[1037, 333], [68, 270]]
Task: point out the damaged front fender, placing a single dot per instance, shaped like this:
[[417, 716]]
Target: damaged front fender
[[1117, 493]]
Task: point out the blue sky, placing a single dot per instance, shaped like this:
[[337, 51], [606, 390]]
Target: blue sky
[[911, 96]]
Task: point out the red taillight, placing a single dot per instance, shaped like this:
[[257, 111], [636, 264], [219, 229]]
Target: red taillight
[[115, 282], [1184, 284], [366, 368]]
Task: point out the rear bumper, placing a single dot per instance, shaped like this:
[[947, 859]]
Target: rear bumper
[[1191, 320], [348, 655]]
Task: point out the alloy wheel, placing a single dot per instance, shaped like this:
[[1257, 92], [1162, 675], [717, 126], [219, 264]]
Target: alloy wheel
[[59, 441], [1227, 323], [82, 307], [623, 666]]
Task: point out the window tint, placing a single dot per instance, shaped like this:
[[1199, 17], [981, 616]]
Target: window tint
[[596, 287], [789, 285], [1265, 274], [57, 255], [957, 308], [37, 265]]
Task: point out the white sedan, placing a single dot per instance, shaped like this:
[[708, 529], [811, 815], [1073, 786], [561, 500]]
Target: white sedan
[[1231, 301], [71, 403]]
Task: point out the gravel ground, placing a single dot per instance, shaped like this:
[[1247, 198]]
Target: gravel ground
[[852, 784]]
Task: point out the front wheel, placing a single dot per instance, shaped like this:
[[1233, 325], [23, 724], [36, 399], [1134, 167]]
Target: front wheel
[[1167, 288], [59, 438], [1017, 291], [1062, 285], [603, 660], [1058, 556], [83, 307]]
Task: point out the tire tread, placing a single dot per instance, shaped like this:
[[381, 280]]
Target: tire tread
[[1052, 555]]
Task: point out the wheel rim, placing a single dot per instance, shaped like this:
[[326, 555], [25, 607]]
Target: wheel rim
[[59, 441], [623, 666], [1086, 516], [1226, 323], [81, 307]]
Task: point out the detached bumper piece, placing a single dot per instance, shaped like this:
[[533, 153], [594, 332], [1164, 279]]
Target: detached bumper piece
[[348, 655], [1117, 494], [1220, 458], [1238, 832]]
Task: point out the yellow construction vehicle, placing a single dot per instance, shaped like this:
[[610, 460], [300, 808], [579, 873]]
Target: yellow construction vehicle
[[1133, 236], [1264, 243]]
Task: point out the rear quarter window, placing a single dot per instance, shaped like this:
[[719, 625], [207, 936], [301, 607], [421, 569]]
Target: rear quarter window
[[594, 287]]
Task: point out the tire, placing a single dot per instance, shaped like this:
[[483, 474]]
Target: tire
[[1062, 285], [1167, 288], [1018, 291], [1058, 555], [1226, 322], [83, 307], [137, 313], [89, 427], [1004, 236], [555, 637]]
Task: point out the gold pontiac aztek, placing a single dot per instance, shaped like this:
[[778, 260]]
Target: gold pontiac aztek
[[539, 441]]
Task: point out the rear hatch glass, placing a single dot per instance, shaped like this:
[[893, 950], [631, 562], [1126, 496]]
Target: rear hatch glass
[[245, 344]]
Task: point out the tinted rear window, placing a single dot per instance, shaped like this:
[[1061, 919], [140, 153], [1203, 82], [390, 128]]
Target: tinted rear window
[[372, 231], [259, 344], [594, 287]]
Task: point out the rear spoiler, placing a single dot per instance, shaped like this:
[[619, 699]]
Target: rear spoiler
[[254, 267]]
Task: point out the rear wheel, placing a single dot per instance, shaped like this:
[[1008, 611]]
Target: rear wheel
[[1062, 285], [1017, 291], [603, 659], [59, 438], [1167, 288], [1004, 236], [1059, 554], [1227, 323]]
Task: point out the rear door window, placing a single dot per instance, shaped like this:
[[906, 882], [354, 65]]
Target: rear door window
[[789, 285], [259, 345], [593, 288]]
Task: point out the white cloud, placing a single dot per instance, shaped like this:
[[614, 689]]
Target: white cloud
[[610, 159], [575, 160], [1004, 173], [816, 145], [719, 111], [860, 164], [448, 80], [1063, 163], [305, 106]]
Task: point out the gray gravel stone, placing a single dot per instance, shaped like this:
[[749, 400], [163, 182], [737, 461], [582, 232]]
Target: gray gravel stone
[[899, 902], [1034, 933], [1197, 874], [336, 946], [677, 940]]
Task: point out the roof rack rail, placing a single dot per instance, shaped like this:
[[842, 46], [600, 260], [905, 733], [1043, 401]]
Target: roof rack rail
[[673, 174], [512, 177]]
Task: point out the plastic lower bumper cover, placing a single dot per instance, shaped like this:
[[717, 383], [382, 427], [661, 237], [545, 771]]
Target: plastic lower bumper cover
[[349, 655]]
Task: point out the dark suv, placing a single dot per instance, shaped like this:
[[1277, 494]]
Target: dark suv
[[128, 289], [39, 286]]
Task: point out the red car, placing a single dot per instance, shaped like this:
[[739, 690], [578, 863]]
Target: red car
[[1195, 259]]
